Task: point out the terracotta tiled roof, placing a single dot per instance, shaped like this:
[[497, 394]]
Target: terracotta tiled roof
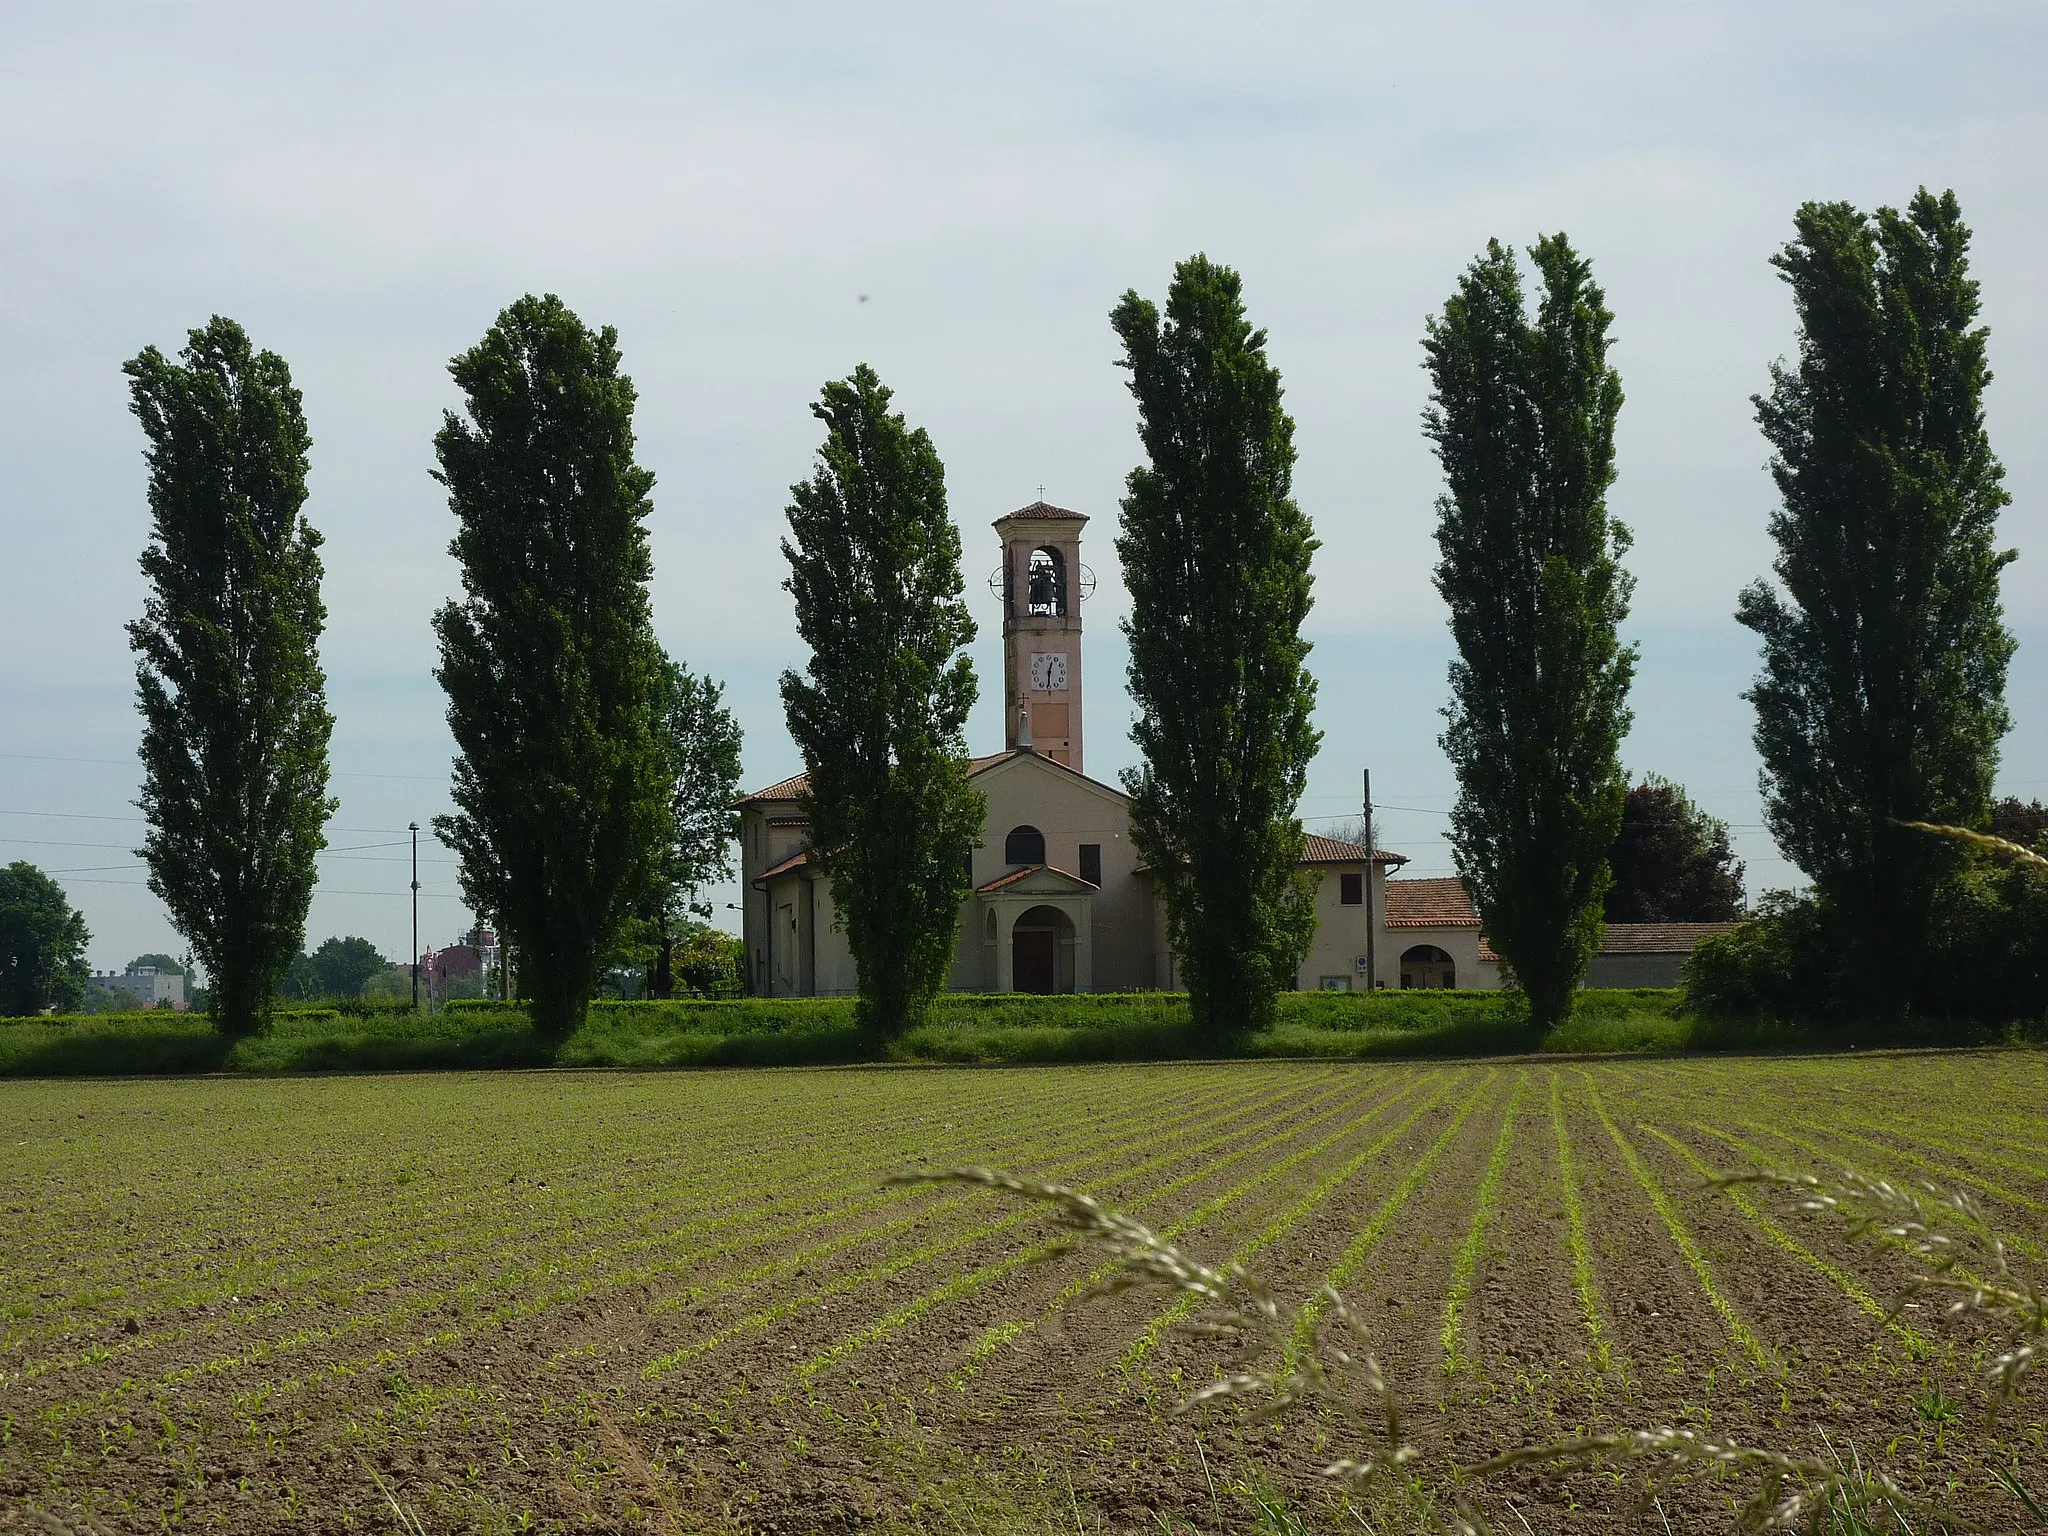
[[1043, 511], [799, 785], [1657, 938], [1004, 882], [1333, 850], [1430, 904], [795, 861], [788, 789]]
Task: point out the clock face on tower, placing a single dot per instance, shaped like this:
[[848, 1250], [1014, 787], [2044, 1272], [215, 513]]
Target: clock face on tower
[[1049, 672]]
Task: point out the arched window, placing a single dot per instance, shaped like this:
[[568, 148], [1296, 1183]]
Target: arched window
[[1045, 589], [1024, 845]]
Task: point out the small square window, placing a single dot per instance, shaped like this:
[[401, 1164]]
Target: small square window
[[1336, 983], [1351, 890], [1091, 863]]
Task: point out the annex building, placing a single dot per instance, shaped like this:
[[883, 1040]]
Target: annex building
[[1060, 901]]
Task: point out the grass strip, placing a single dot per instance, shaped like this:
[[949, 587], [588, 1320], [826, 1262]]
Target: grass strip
[[1584, 1281], [479, 1289], [2025, 1245], [405, 1239], [964, 1284], [1681, 1236], [995, 1338], [1466, 1269], [1784, 1241], [1285, 1221], [717, 1217], [791, 1306], [805, 1257], [488, 1317], [1352, 1260], [1756, 1157]]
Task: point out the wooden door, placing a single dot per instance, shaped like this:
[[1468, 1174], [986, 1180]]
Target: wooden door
[[1034, 959]]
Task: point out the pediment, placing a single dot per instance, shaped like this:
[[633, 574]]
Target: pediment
[[1036, 880]]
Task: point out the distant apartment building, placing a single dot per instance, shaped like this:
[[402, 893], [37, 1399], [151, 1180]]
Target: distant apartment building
[[146, 984]]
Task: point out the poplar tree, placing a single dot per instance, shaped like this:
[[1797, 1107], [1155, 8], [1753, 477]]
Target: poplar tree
[[228, 678], [874, 567], [1522, 415], [553, 675], [1882, 694], [1216, 558]]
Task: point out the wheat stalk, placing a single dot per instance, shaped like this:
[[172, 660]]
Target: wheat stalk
[[1997, 847]]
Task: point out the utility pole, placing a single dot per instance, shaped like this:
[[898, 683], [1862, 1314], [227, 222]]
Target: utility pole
[[415, 830], [1372, 969]]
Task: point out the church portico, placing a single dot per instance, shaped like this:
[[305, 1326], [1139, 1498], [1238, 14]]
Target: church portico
[[1038, 927]]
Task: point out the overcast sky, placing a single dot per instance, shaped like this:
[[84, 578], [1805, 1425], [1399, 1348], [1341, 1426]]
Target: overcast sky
[[759, 197]]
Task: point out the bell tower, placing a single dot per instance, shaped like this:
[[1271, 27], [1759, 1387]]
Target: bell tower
[[1042, 584]]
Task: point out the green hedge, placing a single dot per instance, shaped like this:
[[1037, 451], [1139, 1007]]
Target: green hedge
[[798, 1031]]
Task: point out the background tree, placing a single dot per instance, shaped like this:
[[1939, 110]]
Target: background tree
[[338, 968], [1216, 557], [1522, 415], [2019, 821], [1672, 862], [234, 707], [703, 742], [710, 962], [165, 965], [42, 944], [1882, 694], [1352, 829], [549, 660], [874, 566]]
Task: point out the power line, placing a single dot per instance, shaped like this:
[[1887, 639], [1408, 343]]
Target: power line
[[89, 816], [325, 890], [325, 853], [126, 762]]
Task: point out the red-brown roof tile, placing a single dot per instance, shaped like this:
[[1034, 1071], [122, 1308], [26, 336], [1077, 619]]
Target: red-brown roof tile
[[1043, 511], [795, 861], [1438, 903], [1657, 938], [1005, 881], [1334, 850], [798, 785]]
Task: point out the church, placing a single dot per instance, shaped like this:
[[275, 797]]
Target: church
[[1061, 901]]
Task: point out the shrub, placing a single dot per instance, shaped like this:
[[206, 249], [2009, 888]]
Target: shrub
[[1987, 952]]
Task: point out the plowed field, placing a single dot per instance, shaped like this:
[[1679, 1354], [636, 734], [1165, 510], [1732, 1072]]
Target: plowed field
[[689, 1302]]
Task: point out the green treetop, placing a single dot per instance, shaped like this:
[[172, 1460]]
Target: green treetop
[[1522, 415], [553, 676], [703, 742], [874, 567], [42, 944], [1216, 557], [1882, 694], [233, 700]]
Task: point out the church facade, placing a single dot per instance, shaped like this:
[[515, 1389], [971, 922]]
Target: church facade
[[1060, 900]]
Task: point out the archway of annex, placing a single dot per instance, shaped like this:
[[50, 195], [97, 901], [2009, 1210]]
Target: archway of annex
[[1427, 966]]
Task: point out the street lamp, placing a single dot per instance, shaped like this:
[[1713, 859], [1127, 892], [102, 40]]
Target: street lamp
[[415, 830]]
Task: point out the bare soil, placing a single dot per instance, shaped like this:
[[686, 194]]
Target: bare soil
[[691, 1302]]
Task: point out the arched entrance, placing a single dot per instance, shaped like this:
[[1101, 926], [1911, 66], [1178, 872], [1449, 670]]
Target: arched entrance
[[1427, 966], [1042, 951]]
